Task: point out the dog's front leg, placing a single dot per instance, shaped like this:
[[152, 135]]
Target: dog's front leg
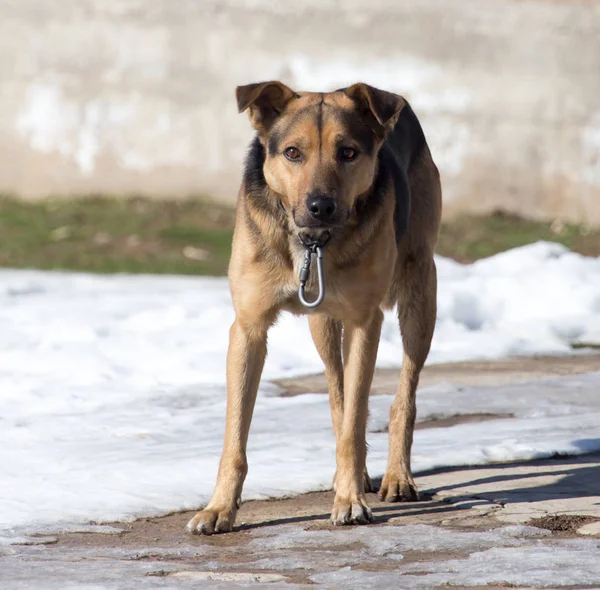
[[245, 360], [361, 340]]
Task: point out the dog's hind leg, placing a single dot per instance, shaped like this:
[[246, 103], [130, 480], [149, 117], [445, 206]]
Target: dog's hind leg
[[327, 336], [417, 313]]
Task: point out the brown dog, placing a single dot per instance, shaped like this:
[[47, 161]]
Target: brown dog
[[351, 167]]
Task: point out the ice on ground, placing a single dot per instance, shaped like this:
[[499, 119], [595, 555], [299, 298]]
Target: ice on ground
[[12, 540], [291, 548], [523, 567], [568, 564], [112, 397], [412, 556]]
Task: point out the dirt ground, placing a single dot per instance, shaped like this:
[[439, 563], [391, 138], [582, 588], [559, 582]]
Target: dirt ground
[[495, 372]]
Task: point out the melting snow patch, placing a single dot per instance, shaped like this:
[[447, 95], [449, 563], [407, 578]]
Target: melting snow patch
[[113, 387]]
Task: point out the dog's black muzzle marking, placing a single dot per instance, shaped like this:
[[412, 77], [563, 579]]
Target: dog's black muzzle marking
[[312, 247]]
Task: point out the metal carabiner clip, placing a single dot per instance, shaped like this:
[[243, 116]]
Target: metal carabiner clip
[[305, 275]]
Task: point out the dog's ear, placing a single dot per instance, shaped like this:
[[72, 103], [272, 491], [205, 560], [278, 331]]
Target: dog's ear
[[379, 107], [266, 101]]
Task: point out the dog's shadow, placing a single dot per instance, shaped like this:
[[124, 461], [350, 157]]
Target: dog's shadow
[[570, 477]]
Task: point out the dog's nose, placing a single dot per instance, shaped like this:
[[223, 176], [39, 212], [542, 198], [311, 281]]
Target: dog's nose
[[321, 207]]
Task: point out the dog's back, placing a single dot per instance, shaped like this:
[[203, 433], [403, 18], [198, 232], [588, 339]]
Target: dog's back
[[403, 145]]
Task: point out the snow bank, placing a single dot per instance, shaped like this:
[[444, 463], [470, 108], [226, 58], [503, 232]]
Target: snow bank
[[112, 387]]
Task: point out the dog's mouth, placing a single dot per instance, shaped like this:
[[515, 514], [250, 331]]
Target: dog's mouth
[[311, 238], [315, 235]]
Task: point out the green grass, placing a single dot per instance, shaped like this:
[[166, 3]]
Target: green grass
[[468, 238], [193, 236], [108, 235], [585, 346]]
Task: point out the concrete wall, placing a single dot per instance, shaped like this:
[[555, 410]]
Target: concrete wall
[[136, 96]]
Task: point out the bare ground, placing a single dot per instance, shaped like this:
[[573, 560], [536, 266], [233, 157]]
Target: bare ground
[[494, 372]]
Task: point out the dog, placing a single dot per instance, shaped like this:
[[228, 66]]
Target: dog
[[348, 173]]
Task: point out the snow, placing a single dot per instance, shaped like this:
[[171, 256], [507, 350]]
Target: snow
[[112, 387]]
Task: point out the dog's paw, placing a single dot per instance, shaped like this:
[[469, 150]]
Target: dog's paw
[[346, 511], [368, 484], [395, 488], [207, 522]]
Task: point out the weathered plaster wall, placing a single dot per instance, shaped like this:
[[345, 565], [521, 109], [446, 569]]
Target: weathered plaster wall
[[136, 96]]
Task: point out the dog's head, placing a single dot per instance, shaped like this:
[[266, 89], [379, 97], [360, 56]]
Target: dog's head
[[321, 149]]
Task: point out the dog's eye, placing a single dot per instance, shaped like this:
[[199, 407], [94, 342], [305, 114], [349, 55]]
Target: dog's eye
[[348, 154], [292, 154]]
